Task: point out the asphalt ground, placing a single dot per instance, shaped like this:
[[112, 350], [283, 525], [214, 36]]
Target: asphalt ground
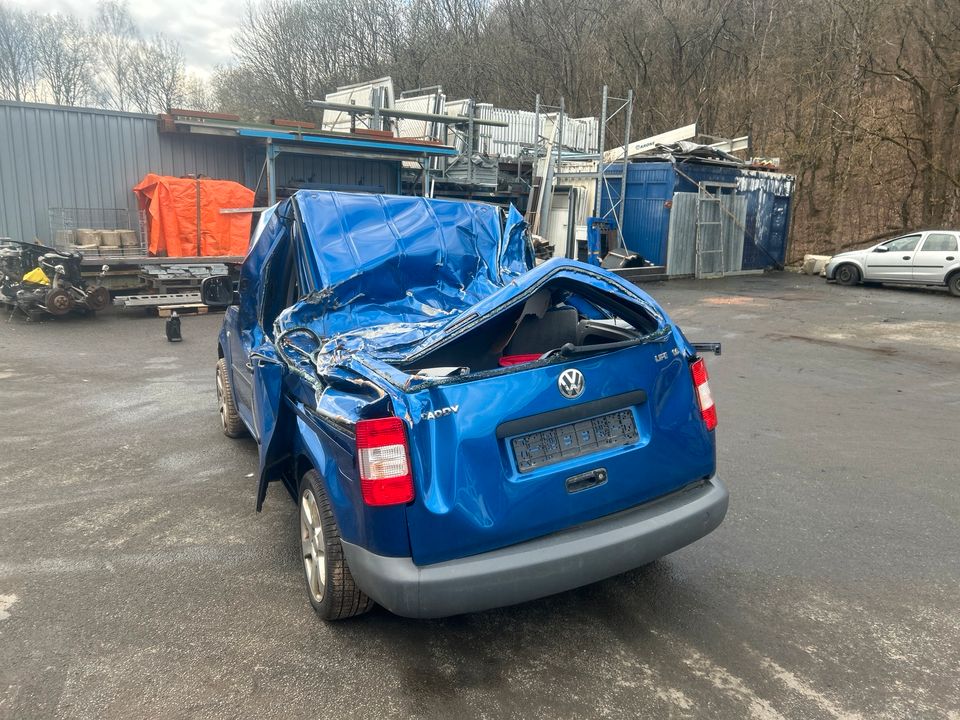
[[136, 580]]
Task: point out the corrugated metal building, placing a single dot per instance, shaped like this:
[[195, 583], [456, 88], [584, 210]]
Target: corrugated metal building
[[58, 157], [669, 203], [54, 158]]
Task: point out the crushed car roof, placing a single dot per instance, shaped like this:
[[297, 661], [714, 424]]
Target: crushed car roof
[[378, 260], [387, 276]]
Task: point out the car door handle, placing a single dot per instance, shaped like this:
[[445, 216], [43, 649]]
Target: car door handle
[[586, 480], [906, 257], [950, 258]]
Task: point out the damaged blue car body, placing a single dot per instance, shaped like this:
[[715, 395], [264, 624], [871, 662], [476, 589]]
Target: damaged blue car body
[[460, 428]]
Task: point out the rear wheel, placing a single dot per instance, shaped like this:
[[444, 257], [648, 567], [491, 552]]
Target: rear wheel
[[330, 586], [232, 424], [848, 275], [953, 284]]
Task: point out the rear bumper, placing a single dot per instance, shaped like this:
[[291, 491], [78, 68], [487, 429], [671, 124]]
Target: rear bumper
[[543, 566]]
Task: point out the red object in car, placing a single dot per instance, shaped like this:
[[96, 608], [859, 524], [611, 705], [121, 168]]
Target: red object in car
[[508, 360]]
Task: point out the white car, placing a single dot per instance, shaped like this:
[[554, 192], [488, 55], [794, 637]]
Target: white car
[[927, 257]]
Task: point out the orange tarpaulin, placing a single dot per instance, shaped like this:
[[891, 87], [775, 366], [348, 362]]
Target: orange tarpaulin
[[171, 206]]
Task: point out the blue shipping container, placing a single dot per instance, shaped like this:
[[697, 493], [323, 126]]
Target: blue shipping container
[[650, 189]]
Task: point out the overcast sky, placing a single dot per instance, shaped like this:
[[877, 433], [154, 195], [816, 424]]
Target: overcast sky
[[202, 27]]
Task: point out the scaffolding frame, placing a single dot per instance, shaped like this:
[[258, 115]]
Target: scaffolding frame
[[550, 150], [709, 240], [615, 211], [379, 117]]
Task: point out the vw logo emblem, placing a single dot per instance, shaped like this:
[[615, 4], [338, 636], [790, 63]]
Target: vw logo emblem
[[571, 383]]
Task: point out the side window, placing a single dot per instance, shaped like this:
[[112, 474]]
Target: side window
[[281, 287], [940, 242], [904, 244], [293, 286]]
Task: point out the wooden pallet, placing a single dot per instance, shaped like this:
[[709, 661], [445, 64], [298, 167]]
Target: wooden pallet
[[191, 309]]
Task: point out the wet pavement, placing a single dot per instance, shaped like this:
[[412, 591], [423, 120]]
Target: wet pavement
[[136, 580]]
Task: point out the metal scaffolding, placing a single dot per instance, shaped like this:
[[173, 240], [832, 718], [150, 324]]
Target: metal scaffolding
[[379, 115], [604, 178]]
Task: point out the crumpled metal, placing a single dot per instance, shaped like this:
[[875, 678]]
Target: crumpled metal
[[392, 276]]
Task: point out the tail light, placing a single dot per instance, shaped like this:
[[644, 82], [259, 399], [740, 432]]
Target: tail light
[[701, 381], [385, 477]]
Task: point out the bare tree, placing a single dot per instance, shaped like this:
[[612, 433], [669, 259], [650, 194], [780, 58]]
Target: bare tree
[[18, 53], [860, 98], [196, 94], [919, 68], [158, 75], [116, 36], [288, 52], [66, 59]]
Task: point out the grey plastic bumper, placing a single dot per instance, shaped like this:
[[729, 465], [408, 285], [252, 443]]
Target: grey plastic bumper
[[543, 566]]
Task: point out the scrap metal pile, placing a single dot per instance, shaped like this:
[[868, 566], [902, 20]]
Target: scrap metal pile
[[40, 280]]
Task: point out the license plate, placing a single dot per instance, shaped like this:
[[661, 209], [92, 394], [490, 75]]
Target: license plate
[[578, 439]]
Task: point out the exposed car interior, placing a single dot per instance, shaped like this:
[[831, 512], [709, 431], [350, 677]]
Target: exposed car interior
[[552, 318]]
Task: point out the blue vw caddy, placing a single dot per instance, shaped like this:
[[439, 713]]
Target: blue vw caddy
[[461, 430]]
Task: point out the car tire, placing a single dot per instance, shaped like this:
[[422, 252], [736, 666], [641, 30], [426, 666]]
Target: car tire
[[330, 585], [953, 284], [847, 275], [233, 426]]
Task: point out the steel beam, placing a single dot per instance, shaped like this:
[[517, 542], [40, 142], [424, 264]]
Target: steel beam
[[601, 141], [272, 152], [406, 114]]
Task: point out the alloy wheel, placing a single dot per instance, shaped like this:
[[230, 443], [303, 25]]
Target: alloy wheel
[[221, 401], [312, 545]]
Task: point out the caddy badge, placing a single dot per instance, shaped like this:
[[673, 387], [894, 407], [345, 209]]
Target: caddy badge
[[442, 412]]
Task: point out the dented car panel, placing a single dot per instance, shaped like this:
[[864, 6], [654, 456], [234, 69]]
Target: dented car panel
[[535, 400], [460, 511]]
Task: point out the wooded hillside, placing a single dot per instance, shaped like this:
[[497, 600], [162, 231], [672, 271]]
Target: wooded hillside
[[859, 98]]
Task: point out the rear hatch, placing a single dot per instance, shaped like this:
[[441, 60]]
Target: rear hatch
[[504, 458]]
